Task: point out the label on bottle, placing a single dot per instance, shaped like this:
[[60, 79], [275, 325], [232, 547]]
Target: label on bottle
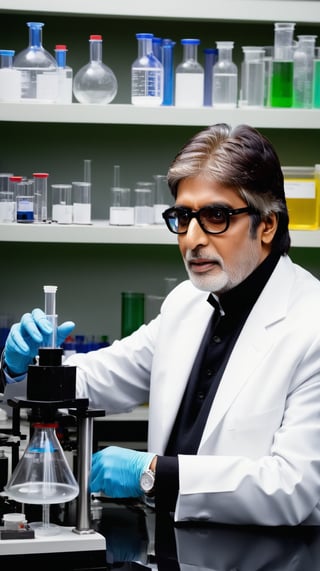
[[10, 84], [189, 89], [146, 86]]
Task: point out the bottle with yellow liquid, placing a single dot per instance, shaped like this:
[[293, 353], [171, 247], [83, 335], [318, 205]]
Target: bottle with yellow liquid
[[302, 196]]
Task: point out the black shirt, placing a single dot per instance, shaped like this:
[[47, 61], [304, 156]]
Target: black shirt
[[231, 312]]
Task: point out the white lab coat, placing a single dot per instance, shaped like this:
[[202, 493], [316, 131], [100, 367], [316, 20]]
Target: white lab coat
[[259, 457]]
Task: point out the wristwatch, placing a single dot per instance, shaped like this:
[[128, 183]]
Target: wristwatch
[[147, 481]]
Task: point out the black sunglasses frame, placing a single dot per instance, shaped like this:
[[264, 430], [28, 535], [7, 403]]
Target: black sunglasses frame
[[228, 212]]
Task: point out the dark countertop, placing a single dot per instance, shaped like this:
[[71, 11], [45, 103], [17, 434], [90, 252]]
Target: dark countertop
[[139, 539]]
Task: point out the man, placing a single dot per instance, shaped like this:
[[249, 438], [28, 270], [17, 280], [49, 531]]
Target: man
[[230, 367]]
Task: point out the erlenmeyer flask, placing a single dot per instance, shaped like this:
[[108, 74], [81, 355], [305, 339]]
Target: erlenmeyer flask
[[43, 475], [95, 82]]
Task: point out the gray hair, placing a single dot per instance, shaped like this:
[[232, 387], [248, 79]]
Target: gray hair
[[241, 159]]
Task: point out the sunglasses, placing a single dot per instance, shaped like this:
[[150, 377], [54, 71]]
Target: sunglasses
[[211, 219]]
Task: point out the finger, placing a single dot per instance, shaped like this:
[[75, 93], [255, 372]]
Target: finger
[[29, 329], [16, 341], [41, 321]]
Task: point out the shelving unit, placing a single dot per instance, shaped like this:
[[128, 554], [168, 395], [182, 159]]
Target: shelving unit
[[93, 264]]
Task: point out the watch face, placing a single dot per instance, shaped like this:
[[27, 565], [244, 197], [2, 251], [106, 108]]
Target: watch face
[[147, 481]]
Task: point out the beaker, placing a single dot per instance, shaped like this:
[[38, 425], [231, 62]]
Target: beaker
[[303, 71], [282, 65], [81, 202], [95, 82], [62, 203], [132, 311], [43, 476], [189, 76], [7, 207], [25, 201], [121, 213], [252, 77], [143, 203], [316, 79], [10, 78], [163, 198]]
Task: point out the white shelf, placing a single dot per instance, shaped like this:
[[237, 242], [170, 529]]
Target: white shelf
[[101, 232], [231, 10], [275, 118]]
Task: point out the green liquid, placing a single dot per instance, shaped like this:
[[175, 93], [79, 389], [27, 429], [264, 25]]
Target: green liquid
[[316, 84], [282, 84]]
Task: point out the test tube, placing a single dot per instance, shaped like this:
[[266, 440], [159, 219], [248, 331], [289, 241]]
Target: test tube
[[50, 311]]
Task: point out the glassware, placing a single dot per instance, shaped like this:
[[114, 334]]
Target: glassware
[[189, 76], [81, 202], [61, 203], [38, 68], [146, 74], [210, 58], [25, 201], [302, 196], [168, 71], [121, 213], [303, 72], [10, 78], [40, 196], [163, 198], [316, 80], [7, 207], [95, 82], [43, 476], [282, 65], [65, 75], [143, 203], [225, 77], [252, 92], [132, 311]]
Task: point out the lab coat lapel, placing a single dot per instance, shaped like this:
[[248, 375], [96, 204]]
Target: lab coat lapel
[[253, 344]]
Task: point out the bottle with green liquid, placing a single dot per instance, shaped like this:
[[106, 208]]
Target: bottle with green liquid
[[282, 65], [316, 80]]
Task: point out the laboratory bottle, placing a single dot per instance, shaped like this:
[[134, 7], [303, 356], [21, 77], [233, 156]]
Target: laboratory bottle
[[43, 475], [282, 65], [10, 78], [121, 213], [168, 71], [40, 196], [316, 79], [210, 58], [189, 76], [225, 77], [303, 59], [95, 82], [38, 68], [252, 89], [7, 199], [146, 74], [65, 75]]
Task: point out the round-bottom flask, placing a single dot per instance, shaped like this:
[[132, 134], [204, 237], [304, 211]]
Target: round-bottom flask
[[95, 82]]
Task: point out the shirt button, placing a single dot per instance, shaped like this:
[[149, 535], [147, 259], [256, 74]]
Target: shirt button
[[216, 339], [200, 395], [209, 372]]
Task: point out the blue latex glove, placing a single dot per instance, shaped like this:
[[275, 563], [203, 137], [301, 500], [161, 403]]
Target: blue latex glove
[[26, 337], [117, 471]]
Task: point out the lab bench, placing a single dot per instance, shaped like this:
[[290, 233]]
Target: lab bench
[[137, 538]]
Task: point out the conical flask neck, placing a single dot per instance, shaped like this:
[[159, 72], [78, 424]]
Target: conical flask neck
[[35, 35]]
